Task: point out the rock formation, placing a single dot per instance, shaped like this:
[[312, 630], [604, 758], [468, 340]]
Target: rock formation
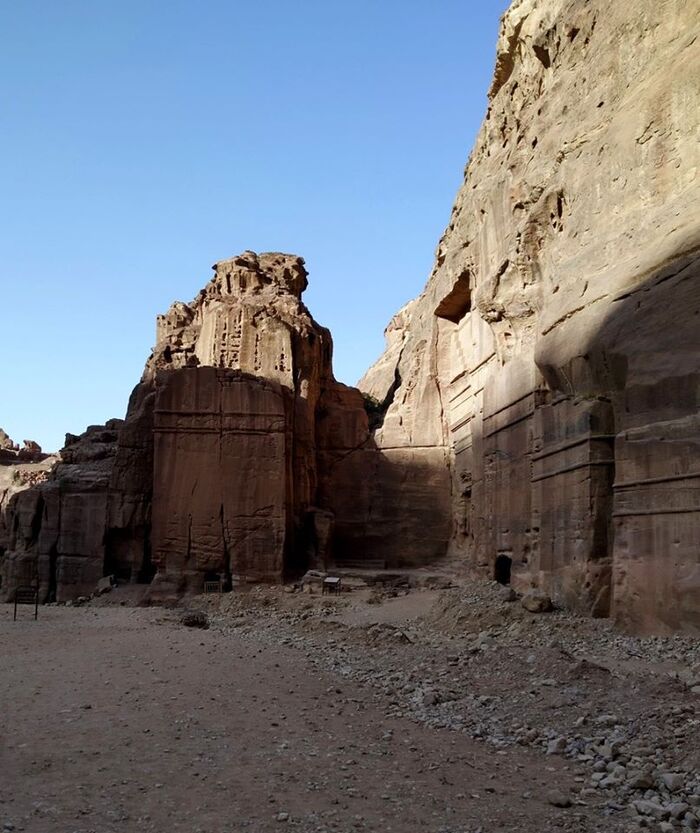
[[536, 414], [263, 465], [237, 383], [241, 458], [554, 356], [52, 515]]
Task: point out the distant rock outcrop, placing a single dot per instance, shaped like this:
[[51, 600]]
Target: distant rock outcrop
[[554, 356], [52, 514]]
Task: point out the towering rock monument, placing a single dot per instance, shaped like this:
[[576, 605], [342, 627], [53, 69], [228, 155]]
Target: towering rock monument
[[229, 413], [554, 355]]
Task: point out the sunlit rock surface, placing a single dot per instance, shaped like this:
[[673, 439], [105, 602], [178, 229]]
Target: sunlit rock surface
[[554, 355]]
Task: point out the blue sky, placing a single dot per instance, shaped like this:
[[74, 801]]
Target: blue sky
[[142, 141]]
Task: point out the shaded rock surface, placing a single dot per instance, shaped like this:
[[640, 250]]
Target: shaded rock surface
[[241, 459], [554, 355], [21, 469], [52, 527]]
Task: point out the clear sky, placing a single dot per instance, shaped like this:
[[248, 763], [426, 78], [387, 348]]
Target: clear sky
[[142, 140]]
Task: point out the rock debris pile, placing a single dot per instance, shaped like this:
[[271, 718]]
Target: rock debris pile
[[621, 709]]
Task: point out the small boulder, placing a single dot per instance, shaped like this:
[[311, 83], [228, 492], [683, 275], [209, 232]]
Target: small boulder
[[646, 807], [556, 746], [673, 781], [430, 697], [677, 809], [536, 602], [641, 780], [507, 594], [195, 619], [558, 799], [104, 585]]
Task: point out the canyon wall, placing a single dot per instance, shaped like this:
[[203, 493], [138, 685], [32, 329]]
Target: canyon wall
[[554, 355], [535, 417]]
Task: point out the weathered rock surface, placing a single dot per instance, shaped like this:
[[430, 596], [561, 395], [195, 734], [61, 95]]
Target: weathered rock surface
[[52, 526], [222, 472], [263, 463], [10, 452], [18, 472], [536, 414], [554, 356], [241, 458]]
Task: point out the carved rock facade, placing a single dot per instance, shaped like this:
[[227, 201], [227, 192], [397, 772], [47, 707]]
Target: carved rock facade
[[240, 458], [554, 355]]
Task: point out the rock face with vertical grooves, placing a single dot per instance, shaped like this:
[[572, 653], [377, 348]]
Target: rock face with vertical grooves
[[235, 389], [52, 517], [240, 458], [536, 414], [554, 355]]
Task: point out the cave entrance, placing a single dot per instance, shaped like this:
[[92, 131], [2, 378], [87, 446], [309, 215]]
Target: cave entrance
[[117, 554], [501, 572]]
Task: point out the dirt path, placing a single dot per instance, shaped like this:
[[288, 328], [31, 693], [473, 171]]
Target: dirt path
[[120, 719]]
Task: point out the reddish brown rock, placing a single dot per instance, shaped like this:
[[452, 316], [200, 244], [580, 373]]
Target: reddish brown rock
[[241, 459], [18, 473], [54, 527], [222, 488], [265, 467]]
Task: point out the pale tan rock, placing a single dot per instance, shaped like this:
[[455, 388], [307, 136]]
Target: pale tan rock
[[381, 380], [536, 602], [554, 355], [6, 443]]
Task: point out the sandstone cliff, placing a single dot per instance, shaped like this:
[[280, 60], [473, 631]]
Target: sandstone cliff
[[554, 356], [536, 415], [52, 513], [241, 458], [228, 407], [263, 464]]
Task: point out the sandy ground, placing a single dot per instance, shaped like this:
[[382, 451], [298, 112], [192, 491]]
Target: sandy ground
[[121, 719]]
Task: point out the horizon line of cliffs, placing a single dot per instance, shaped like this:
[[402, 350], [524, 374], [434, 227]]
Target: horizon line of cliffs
[[535, 416]]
